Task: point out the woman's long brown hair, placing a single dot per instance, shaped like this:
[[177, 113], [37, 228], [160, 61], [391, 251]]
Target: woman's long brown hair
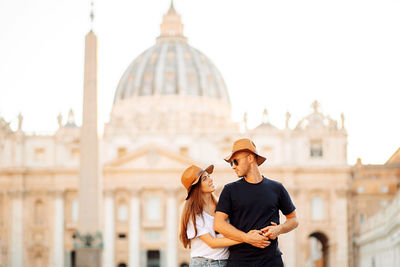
[[193, 206]]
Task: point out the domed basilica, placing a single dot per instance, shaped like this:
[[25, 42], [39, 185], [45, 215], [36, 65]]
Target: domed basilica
[[171, 109]]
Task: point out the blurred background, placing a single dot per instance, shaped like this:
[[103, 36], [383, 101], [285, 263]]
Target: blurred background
[[314, 85]]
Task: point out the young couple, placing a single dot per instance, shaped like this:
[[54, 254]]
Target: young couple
[[241, 229]]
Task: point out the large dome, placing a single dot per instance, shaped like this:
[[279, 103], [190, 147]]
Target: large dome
[[171, 88], [171, 67]]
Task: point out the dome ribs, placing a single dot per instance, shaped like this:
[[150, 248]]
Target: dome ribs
[[181, 81], [138, 85], [171, 68], [197, 67], [159, 75]]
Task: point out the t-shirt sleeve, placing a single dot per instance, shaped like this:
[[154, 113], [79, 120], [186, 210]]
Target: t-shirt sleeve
[[224, 202], [200, 226], [285, 202]]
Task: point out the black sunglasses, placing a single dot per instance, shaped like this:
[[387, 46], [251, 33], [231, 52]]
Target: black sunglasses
[[235, 161]]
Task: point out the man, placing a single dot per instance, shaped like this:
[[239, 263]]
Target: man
[[253, 202]]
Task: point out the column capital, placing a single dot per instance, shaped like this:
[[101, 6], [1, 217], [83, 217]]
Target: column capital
[[57, 193], [172, 191], [109, 192], [17, 193], [135, 191], [341, 192]]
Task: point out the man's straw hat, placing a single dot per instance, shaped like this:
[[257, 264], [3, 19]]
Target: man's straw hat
[[245, 144]]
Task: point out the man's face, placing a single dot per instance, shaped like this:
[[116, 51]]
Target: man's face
[[240, 163]]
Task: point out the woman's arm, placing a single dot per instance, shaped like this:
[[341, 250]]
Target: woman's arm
[[253, 237], [218, 242]]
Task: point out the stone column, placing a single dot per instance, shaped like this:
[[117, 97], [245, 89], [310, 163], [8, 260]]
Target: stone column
[[172, 229], [289, 248], [109, 229], [134, 229], [289, 239], [341, 228], [58, 235], [17, 234]]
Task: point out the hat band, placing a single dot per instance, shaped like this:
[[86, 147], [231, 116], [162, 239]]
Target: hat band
[[200, 172]]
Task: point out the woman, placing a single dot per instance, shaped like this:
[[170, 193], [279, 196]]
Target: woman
[[197, 220]]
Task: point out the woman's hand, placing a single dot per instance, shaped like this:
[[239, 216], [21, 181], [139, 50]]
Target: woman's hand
[[257, 239]]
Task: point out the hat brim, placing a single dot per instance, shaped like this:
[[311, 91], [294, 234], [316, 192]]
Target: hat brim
[[209, 170], [260, 159]]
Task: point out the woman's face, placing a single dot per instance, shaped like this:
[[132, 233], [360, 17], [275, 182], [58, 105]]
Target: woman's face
[[207, 185]]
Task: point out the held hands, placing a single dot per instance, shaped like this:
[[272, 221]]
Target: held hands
[[271, 231], [260, 238], [257, 239]]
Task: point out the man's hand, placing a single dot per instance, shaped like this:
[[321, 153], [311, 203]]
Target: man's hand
[[271, 231], [256, 239]]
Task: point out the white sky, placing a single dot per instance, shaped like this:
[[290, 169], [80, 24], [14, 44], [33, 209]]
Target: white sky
[[279, 55]]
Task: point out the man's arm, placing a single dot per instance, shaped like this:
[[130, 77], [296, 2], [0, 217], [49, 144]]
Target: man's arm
[[254, 237], [274, 230]]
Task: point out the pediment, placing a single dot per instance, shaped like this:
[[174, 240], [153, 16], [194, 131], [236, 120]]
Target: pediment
[[152, 157], [395, 158]]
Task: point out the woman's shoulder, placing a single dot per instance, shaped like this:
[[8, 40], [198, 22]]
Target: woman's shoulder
[[201, 218], [207, 215]]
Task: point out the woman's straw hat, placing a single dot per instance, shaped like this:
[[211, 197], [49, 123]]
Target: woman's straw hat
[[191, 176]]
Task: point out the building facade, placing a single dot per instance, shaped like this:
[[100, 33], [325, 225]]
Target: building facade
[[379, 238], [374, 212], [171, 109]]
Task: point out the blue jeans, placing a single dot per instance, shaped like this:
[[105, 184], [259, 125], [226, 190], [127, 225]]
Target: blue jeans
[[275, 261], [203, 262]]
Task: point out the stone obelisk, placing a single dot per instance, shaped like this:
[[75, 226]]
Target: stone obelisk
[[89, 242]]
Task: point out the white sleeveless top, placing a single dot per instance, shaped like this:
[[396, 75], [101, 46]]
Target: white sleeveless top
[[204, 226]]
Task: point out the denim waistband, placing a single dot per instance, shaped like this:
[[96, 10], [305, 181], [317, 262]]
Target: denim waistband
[[205, 260]]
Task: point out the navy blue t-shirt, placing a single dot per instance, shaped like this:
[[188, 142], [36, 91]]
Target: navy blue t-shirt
[[253, 207]]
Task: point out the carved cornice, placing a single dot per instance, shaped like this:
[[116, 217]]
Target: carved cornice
[[38, 170], [342, 192], [57, 193], [17, 193]]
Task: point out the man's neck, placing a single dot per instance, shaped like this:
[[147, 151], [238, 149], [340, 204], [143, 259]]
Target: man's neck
[[253, 176]]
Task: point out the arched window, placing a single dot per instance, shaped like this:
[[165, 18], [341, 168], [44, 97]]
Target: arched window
[[319, 250], [38, 212], [317, 208], [75, 210], [122, 214], [122, 265]]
